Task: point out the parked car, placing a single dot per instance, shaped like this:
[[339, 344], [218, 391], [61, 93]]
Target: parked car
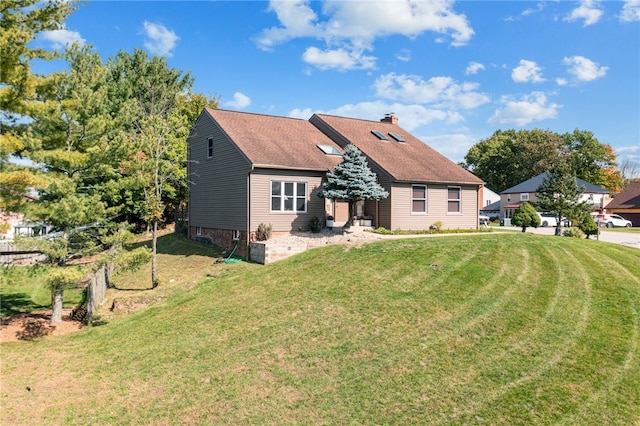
[[548, 219], [611, 220], [484, 220]]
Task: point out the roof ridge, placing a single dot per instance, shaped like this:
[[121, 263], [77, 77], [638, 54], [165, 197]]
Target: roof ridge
[[256, 114]]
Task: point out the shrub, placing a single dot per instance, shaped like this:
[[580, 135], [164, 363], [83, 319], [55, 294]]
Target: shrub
[[315, 225], [264, 232], [524, 216], [437, 226], [573, 233], [588, 226]]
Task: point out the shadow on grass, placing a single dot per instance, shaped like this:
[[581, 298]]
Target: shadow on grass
[[16, 303], [179, 245]]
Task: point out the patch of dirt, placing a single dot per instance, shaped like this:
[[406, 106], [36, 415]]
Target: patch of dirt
[[32, 325]]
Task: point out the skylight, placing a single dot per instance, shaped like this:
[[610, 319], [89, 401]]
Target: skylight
[[396, 137], [329, 150], [380, 135]]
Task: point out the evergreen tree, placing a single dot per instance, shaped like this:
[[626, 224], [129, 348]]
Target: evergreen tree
[[559, 194], [588, 226], [352, 180], [20, 23], [525, 216]]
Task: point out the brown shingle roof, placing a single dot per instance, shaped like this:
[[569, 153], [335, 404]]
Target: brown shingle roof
[[411, 161], [628, 198], [276, 142]]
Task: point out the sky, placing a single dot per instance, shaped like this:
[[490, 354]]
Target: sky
[[453, 72]]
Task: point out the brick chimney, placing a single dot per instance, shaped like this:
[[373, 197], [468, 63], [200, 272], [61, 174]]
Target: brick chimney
[[389, 118]]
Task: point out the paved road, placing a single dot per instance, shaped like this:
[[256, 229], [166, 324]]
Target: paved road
[[631, 239]]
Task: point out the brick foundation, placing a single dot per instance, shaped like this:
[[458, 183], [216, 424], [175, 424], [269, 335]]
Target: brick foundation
[[223, 238]]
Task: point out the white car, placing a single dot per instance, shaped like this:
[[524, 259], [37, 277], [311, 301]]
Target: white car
[[548, 219], [484, 220], [611, 220]]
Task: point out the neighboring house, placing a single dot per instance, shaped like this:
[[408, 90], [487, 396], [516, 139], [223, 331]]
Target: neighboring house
[[510, 199], [627, 203], [492, 210], [489, 197], [245, 169], [8, 220]]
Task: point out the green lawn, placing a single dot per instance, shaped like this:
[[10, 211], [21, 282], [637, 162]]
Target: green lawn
[[24, 289], [499, 328]]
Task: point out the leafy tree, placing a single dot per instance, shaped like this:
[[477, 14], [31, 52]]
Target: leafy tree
[[20, 22], [59, 279], [588, 226], [524, 216], [593, 161], [352, 180], [510, 157], [559, 194], [147, 93]]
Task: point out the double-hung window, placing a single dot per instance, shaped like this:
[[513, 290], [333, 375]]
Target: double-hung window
[[209, 147], [454, 200], [418, 199], [288, 196]]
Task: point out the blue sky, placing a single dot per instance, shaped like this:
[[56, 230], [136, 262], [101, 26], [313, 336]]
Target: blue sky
[[453, 72]]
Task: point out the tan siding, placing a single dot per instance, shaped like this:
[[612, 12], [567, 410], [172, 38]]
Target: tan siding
[[403, 218], [218, 186], [284, 221]]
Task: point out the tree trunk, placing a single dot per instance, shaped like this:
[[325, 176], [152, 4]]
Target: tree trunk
[[558, 229], [154, 244], [57, 293]]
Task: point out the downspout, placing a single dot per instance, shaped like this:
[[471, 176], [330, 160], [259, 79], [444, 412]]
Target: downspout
[[247, 247]]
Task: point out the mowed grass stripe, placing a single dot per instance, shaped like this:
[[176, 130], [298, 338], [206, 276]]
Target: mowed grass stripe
[[624, 333], [537, 347], [371, 335]]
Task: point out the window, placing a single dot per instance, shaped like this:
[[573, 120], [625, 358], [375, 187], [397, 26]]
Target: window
[[198, 230], [380, 135], [329, 150], [210, 148], [396, 137], [524, 197], [288, 196], [453, 199], [418, 199]]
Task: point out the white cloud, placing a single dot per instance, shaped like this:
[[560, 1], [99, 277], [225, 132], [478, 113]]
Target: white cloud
[[354, 25], [453, 146], [530, 11], [630, 11], [240, 101], [583, 69], [159, 39], [440, 91], [410, 116], [561, 81], [339, 59], [474, 67], [527, 71], [533, 107], [61, 38], [589, 11], [404, 55]]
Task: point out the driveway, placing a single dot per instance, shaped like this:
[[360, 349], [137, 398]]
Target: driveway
[[631, 239]]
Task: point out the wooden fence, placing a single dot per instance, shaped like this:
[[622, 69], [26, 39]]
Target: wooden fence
[[98, 282], [10, 253]]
